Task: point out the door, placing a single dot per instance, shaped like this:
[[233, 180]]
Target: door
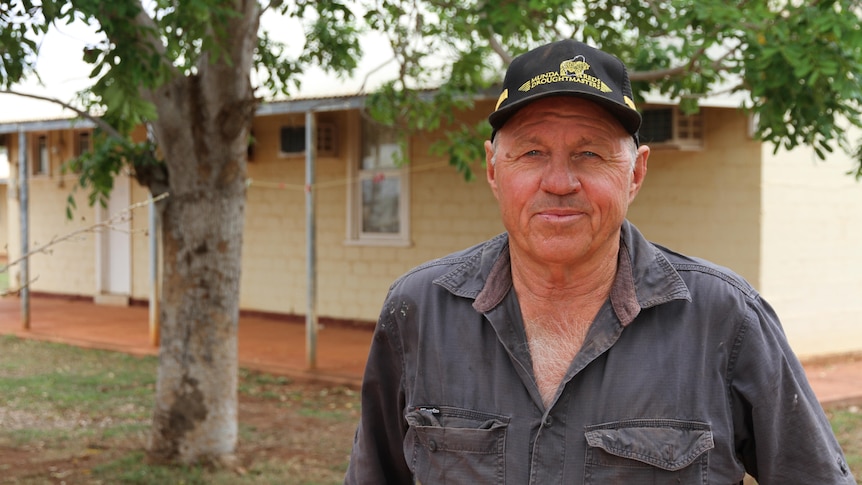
[[114, 246]]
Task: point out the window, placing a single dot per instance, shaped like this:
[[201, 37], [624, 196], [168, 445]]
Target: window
[[41, 159], [379, 199], [292, 140], [669, 128], [657, 125], [4, 159], [82, 143]]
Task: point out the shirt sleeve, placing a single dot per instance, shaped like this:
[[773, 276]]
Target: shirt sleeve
[[377, 456], [782, 435]]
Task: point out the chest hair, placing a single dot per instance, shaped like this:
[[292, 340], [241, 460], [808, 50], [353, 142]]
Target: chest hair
[[553, 341]]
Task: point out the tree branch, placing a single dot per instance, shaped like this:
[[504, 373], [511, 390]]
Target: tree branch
[[658, 73], [498, 48], [122, 216], [680, 70], [110, 130], [16, 291]]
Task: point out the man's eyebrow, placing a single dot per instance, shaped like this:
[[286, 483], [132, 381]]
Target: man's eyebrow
[[592, 142]]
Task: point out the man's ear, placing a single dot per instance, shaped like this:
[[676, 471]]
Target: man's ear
[[639, 172]]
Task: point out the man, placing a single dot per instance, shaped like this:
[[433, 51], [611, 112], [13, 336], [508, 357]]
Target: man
[[570, 349]]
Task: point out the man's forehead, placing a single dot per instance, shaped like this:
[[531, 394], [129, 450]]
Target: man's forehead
[[559, 109]]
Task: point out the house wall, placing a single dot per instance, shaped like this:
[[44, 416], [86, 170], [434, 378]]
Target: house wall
[[812, 264], [707, 203], [446, 214], [5, 214], [140, 240], [66, 267], [273, 260]]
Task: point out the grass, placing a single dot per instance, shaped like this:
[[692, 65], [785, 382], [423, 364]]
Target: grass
[[79, 416], [4, 278], [83, 416], [847, 425]]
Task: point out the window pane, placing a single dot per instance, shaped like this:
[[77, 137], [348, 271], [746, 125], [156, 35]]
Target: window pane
[[4, 161], [292, 139], [380, 212], [41, 166], [379, 147], [83, 144]]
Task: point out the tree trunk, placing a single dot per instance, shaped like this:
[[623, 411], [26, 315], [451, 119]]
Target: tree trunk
[[195, 418], [202, 130]]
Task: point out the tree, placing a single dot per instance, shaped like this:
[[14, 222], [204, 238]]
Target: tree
[[183, 68]]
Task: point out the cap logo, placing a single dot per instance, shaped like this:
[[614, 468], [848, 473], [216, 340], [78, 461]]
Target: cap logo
[[503, 96], [571, 70]]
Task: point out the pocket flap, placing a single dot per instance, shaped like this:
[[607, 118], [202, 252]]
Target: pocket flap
[[667, 444]]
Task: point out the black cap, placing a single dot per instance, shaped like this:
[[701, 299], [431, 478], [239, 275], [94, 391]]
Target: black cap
[[568, 68]]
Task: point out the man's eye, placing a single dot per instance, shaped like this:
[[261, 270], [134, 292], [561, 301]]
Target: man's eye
[[533, 153]]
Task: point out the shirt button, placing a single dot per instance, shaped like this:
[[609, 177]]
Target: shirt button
[[432, 445], [548, 421]]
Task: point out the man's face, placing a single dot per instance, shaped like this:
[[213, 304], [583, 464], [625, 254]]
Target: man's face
[[564, 172]]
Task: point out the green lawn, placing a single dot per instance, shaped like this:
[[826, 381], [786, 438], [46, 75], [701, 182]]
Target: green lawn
[[83, 416], [4, 280]]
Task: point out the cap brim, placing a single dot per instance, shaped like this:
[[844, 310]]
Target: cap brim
[[629, 118]]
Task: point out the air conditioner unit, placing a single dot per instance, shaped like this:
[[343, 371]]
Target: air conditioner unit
[[292, 140], [670, 129]]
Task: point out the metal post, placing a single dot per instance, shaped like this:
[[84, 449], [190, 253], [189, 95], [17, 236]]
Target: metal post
[[311, 256], [24, 213], [154, 275]]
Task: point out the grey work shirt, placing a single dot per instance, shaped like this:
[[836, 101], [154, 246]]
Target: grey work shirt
[[684, 377]]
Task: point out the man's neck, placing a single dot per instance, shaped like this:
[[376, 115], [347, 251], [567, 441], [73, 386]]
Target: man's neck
[[539, 282]]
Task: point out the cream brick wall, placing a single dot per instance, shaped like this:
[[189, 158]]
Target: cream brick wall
[[812, 263], [273, 265], [446, 214], [140, 243], [67, 267], [707, 203], [5, 214]]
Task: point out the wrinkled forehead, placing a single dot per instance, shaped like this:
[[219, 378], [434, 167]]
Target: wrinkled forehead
[[565, 110]]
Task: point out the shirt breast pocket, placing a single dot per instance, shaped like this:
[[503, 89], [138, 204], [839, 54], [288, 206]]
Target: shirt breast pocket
[[454, 445], [648, 452]]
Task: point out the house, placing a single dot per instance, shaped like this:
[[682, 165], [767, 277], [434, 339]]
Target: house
[[787, 222]]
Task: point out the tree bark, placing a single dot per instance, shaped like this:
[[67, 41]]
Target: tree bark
[[195, 416]]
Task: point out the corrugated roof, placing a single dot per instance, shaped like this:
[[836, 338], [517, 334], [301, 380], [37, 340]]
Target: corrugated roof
[[268, 108]]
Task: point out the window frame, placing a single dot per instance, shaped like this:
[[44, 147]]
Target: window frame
[[295, 134], [357, 175], [4, 150], [79, 137], [39, 166]]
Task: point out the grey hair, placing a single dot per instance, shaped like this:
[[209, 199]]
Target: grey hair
[[494, 150], [633, 148]]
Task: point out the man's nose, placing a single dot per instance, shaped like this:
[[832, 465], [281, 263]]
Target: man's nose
[[560, 176]]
